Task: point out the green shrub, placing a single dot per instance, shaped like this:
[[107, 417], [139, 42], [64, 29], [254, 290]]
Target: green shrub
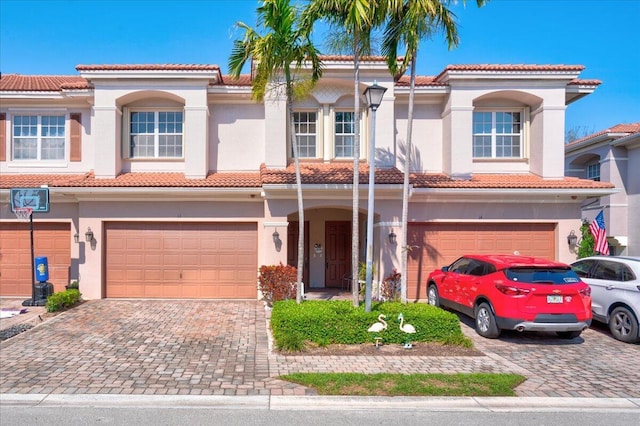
[[326, 322], [62, 300], [278, 282]]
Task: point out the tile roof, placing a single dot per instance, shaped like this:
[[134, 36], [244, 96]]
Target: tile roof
[[504, 181], [328, 173], [148, 67], [579, 82], [626, 128], [40, 83], [140, 180], [242, 80], [421, 80], [311, 173], [511, 68]]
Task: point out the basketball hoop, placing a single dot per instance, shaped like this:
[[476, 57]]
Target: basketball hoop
[[23, 213]]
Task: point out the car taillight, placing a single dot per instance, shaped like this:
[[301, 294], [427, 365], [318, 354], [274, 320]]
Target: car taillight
[[585, 291], [510, 290]]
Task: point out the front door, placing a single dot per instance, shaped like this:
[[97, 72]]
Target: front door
[[293, 230], [338, 252]]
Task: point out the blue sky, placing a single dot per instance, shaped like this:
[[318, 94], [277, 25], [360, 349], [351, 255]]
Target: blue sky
[[52, 37]]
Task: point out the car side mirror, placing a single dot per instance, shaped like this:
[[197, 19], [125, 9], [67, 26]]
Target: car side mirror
[[445, 269]]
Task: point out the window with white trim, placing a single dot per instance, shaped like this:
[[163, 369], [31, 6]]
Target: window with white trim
[[344, 135], [38, 137], [593, 171], [155, 134], [306, 133], [497, 134]]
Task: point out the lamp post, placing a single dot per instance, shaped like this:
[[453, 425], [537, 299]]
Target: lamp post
[[373, 94]]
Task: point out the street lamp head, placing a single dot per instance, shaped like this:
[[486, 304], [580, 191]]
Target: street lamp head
[[374, 94]]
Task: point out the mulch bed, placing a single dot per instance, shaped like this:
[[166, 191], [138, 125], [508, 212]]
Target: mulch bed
[[369, 349]]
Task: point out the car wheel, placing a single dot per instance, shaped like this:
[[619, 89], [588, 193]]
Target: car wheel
[[623, 325], [432, 295], [486, 322], [568, 334]]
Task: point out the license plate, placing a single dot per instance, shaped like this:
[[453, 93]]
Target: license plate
[[554, 299]]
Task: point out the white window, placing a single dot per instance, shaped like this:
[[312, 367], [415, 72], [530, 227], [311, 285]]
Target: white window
[[344, 134], [306, 133], [155, 134], [497, 134], [38, 137], [593, 171]]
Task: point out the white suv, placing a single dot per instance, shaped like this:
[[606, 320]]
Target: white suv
[[615, 292]]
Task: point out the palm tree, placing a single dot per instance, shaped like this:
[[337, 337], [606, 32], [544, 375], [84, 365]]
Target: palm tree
[[285, 45], [409, 22], [358, 18]]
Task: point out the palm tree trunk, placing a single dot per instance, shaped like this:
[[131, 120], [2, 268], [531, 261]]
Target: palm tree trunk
[[405, 186], [294, 143], [355, 286]]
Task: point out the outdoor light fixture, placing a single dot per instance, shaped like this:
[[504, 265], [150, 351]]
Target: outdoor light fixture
[[276, 236], [76, 238], [572, 239], [392, 237], [374, 94], [88, 236]]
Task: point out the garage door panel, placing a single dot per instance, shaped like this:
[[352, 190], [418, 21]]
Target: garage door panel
[[52, 240], [194, 260], [439, 244]]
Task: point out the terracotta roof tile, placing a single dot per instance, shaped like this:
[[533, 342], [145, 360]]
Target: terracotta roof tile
[[509, 68], [148, 67], [504, 181], [349, 58], [242, 80], [579, 82], [40, 83], [627, 128], [333, 173], [421, 80], [311, 174], [149, 180]]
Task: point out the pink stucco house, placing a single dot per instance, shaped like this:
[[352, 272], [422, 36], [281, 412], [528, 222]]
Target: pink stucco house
[[611, 155], [187, 184]]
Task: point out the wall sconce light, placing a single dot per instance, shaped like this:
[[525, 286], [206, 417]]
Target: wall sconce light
[[88, 236], [76, 238], [572, 239], [392, 237], [276, 236]]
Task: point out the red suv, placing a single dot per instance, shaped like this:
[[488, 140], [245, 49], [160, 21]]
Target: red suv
[[508, 292]]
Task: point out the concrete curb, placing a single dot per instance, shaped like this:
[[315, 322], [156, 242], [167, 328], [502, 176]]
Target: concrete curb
[[308, 403]]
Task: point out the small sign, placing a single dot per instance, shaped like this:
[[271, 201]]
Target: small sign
[[34, 198]]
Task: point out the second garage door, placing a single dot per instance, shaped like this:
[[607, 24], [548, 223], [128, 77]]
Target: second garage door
[[181, 260], [439, 244]]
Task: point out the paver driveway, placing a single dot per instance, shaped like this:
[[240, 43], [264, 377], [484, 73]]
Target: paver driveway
[[222, 348]]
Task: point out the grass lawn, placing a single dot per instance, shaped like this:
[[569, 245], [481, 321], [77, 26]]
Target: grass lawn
[[386, 384]]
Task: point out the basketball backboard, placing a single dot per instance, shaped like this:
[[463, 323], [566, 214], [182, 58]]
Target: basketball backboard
[[34, 198]]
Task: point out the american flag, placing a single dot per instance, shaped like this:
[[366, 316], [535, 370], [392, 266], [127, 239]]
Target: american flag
[[599, 232]]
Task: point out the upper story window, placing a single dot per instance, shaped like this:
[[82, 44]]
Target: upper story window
[[306, 133], [497, 134], [593, 171], [344, 133], [155, 134], [38, 137]]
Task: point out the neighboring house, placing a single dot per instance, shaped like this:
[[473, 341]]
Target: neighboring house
[[188, 185], [611, 155]]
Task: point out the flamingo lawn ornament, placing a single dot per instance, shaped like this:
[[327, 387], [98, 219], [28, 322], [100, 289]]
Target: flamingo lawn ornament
[[378, 327], [408, 329]]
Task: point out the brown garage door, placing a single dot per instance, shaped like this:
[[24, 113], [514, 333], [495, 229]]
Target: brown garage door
[[439, 244], [51, 240], [181, 260]]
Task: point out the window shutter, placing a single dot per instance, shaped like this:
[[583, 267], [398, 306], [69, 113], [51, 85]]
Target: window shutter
[[75, 137], [3, 137]]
